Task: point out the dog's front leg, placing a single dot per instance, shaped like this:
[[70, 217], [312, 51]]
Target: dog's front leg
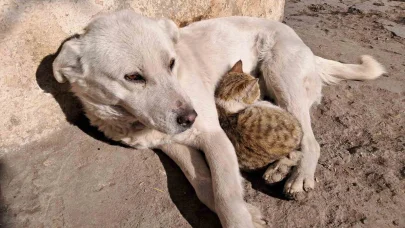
[[226, 180], [194, 167]]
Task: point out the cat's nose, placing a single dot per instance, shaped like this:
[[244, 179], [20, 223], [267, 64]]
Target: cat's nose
[[187, 119]]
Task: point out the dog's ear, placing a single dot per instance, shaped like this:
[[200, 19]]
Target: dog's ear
[[68, 64], [170, 27], [237, 68]]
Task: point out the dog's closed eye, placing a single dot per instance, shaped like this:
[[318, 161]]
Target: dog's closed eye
[[134, 77], [171, 64]]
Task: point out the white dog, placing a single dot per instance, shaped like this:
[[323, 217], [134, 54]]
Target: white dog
[[144, 81]]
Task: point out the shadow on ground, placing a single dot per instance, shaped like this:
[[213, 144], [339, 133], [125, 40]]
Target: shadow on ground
[[3, 207], [258, 184]]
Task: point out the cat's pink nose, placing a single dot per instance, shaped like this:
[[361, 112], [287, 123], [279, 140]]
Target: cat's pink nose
[[187, 119]]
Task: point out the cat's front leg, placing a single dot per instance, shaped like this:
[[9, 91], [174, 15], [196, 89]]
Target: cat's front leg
[[278, 170]]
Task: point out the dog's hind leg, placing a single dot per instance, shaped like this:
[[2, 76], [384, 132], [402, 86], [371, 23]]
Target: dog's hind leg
[[285, 67]]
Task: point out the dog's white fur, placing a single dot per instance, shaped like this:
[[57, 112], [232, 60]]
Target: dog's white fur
[[143, 116]]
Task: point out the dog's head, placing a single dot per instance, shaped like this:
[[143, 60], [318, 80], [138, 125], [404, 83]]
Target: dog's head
[[128, 61]]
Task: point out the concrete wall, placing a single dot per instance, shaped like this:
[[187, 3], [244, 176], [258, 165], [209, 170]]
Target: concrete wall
[[32, 30]]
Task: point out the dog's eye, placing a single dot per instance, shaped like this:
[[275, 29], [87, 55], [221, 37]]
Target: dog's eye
[[171, 64], [134, 77]]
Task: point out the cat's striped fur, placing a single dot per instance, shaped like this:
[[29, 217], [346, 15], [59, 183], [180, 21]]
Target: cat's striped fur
[[261, 133]]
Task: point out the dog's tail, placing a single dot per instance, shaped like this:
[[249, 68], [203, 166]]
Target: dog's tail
[[333, 72]]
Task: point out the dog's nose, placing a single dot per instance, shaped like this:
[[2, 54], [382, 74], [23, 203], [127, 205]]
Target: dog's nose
[[187, 119]]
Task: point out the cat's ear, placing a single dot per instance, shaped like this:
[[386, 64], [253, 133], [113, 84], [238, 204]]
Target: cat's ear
[[252, 91], [237, 68]]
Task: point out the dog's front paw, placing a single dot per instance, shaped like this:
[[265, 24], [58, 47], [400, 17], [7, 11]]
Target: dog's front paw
[[279, 170], [300, 182], [258, 220]]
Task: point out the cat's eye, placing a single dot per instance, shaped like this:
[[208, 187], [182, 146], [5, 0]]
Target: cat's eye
[[134, 77], [171, 64]]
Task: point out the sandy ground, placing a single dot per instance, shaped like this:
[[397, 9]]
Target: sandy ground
[[360, 126]]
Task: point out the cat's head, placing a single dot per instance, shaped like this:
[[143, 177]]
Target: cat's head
[[236, 90]]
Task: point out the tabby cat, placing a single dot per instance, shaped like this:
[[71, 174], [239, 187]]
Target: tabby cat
[[260, 132]]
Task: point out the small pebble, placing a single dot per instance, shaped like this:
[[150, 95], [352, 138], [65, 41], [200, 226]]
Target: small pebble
[[378, 4]]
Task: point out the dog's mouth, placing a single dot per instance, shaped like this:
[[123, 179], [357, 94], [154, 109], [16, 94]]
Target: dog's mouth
[[136, 122], [137, 125], [182, 122]]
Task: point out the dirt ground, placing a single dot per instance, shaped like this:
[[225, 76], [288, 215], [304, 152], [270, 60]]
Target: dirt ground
[[359, 125]]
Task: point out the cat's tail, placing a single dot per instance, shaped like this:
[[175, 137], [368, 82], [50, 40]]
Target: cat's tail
[[333, 72]]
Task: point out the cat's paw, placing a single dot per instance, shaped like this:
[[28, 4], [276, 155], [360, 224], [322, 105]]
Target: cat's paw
[[258, 220], [279, 170]]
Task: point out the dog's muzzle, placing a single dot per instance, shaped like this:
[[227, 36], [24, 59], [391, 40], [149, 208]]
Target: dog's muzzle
[[187, 118]]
